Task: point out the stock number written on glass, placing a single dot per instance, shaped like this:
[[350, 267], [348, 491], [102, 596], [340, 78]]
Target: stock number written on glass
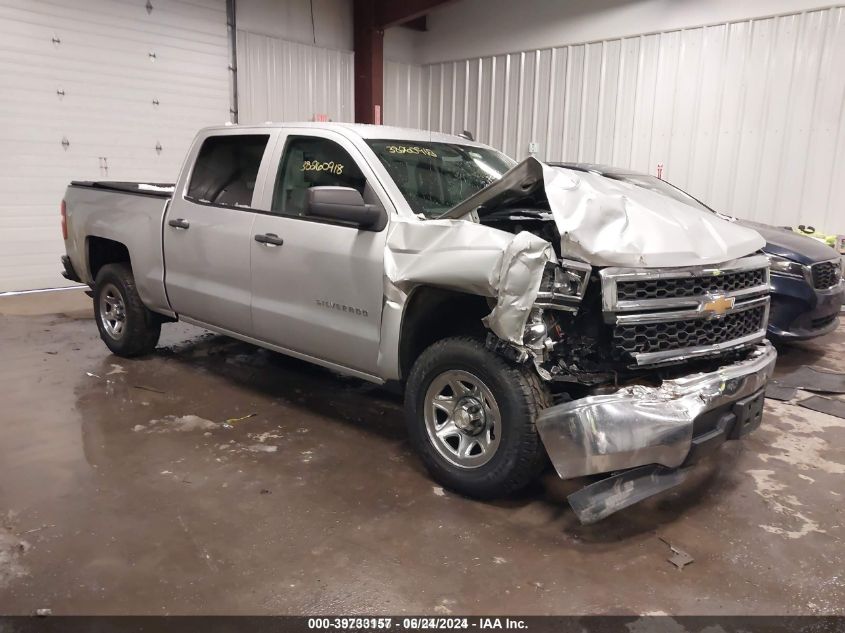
[[411, 149], [315, 165]]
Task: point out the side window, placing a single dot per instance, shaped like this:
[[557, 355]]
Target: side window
[[226, 169], [312, 162]]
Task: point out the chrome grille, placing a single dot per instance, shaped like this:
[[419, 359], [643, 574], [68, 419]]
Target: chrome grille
[[639, 289], [825, 275], [666, 315], [648, 338]]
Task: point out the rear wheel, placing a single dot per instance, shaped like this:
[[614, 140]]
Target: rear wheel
[[470, 416], [126, 326]]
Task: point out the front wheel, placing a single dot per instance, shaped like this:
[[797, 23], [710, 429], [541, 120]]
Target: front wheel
[[126, 326], [471, 415]]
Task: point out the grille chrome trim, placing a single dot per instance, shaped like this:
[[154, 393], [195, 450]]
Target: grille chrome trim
[[686, 353], [655, 311], [610, 277], [655, 358], [685, 315]]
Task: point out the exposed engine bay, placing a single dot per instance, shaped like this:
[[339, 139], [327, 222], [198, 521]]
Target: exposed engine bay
[[572, 337]]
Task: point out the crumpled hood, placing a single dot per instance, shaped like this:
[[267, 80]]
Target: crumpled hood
[[610, 223]]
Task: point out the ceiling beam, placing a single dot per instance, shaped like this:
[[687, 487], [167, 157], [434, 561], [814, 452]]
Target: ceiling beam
[[394, 13], [417, 24]]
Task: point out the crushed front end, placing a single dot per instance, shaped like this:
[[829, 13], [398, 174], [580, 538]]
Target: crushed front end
[[652, 368]]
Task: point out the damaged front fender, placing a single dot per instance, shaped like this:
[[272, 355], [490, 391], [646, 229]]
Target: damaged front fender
[[471, 258]]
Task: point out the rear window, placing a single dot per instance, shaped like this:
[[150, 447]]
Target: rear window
[[226, 169]]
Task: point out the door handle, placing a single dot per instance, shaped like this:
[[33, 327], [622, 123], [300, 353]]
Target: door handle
[[179, 223], [269, 239]]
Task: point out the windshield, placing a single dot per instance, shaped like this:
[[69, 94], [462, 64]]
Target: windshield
[[434, 177], [653, 183]]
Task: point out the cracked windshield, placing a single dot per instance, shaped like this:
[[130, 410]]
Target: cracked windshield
[[434, 177]]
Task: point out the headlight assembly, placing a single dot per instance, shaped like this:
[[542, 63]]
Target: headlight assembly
[[563, 285], [787, 267]]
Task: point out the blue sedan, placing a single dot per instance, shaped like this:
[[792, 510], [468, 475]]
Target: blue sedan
[[806, 275]]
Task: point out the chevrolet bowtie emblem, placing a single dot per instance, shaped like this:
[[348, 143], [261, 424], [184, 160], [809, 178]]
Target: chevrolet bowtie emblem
[[717, 306]]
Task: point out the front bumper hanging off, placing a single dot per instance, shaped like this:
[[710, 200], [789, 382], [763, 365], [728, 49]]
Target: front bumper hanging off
[[652, 433]]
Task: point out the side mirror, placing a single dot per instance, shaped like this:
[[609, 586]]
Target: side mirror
[[344, 204]]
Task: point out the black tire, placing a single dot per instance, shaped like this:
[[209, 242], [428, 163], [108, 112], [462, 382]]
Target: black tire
[[519, 394], [140, 328]]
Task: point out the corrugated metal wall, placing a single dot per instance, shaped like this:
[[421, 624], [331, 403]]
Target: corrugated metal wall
[[280, 80], [403, 95], [748, 116], [112, 80]]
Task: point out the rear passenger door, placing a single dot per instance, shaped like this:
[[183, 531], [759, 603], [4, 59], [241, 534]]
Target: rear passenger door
[[208, 231], [318, 290]]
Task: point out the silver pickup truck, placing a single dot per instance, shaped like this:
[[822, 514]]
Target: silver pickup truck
[[533, 313]]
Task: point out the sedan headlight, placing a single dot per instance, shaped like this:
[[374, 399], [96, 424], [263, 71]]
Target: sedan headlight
[[782, 266]]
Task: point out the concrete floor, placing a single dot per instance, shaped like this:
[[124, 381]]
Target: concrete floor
[[123, 490]]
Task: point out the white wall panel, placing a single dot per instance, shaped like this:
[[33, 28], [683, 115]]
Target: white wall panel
[[279, 80], [746, 115], [324, 23], [403, 94], [103, 66]]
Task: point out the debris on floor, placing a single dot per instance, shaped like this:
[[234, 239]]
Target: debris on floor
[[262, 448], [776, 391], [12, 550], [43, 613], [182, 424], [679, 557], [813, 379], [243, 417], [147, 388], [830, 406]]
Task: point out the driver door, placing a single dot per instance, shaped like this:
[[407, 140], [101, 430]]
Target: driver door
[[317, 285]]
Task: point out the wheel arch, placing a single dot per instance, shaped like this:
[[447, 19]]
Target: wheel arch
[[431, 314], [101, 251]]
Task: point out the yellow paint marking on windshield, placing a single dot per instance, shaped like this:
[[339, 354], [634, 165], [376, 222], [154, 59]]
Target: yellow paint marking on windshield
[[411, 149]]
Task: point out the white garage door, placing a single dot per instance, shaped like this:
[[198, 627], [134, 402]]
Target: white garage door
[[96, 90]]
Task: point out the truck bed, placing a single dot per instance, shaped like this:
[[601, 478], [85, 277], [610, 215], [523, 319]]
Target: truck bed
[[128, 213], [156, 189]]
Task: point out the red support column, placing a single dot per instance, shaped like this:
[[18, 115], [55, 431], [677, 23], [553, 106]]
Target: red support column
[[368, 39]]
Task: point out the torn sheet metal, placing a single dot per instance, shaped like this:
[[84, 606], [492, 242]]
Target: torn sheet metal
[[605, 222], [471, 258], [609, 495], [518, 282], [679, 557]]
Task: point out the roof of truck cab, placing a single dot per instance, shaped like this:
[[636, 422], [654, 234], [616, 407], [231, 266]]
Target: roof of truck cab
[[361, 130]]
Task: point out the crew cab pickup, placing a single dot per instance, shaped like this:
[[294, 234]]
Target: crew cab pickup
[[532, 313]]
